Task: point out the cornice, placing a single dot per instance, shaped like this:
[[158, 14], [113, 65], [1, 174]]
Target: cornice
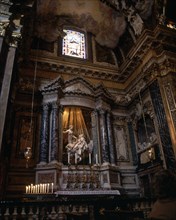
[[58, 86], [92, 71], [160, 39], [79, 79]]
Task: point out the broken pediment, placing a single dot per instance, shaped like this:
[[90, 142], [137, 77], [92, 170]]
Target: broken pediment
[[53, 86]]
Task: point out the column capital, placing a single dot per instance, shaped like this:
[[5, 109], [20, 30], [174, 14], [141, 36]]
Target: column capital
[[16, 36], [5, 5], [102, 111], [54, 105], [45, 106], [4, 22], [94, 112], [4, 15], [61, 109]]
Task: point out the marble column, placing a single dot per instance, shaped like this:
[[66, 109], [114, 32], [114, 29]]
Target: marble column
[[95, 135], [44, 138], [110, 138], [54, 133], [6, 82], [103, 137], [163, 128], [60, 133]]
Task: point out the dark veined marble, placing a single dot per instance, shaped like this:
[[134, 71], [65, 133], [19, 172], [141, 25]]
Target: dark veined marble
[[43, 154], [54, 132], [162, 125], [103, 137], [95, 135]]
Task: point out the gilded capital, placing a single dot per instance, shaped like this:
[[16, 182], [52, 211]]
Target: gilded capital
[[4, 22], [16, 36]]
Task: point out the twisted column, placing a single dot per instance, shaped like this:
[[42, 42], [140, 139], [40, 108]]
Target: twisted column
[[44, 138]]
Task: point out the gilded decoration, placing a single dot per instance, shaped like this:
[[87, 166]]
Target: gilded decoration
[[4, 22], [16, 37]]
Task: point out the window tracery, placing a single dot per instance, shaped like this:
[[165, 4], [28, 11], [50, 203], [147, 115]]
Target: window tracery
[[74, 44]]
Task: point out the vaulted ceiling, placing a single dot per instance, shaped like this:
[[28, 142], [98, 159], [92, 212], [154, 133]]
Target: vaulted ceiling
[[106, 22], [116, 24]]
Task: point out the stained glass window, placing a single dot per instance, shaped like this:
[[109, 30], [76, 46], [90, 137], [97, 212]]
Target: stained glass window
[[74, 44]]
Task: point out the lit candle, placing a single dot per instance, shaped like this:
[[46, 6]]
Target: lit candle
[[48, 188], [96, 158], [68, 157], [52, 187], [89, 158], [29, 188], [40, 188], [26, 189], [43, 188]]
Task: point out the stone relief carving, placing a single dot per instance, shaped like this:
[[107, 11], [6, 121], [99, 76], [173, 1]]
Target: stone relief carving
[[45, 177], [126, 98], [168, 89], [121, 143], [78, 87], [142, 117]]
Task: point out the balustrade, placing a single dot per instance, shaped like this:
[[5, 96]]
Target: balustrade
[[60, 209]]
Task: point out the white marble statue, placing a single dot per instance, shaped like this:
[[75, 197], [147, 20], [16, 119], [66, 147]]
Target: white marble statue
[[71, 138], [80, 146], [77, 145]]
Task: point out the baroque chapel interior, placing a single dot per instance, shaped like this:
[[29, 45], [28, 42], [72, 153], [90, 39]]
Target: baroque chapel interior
[[87, 106]]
